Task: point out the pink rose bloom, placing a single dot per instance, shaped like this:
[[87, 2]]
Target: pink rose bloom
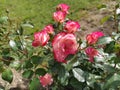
[[49, 29], [46, 80], [40, 38], [63, 45], [72, 26], [93, 37], [91, 52], [59, 16], [63, 7]]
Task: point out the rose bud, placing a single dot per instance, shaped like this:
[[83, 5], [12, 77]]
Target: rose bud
[[49, 29], [91, 52], [59, 16], [63, 7]]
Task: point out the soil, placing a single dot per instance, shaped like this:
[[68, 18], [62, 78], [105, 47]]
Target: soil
[[92, 21], [89, 23]]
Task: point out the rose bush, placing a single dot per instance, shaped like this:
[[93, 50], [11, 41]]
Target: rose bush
[[56, 59]]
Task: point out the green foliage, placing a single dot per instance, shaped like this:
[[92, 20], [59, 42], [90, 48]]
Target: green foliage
[[34, 84], [40, 71], [79, 74], [7, 75], [104, 40], [40, 12], [28, 74]]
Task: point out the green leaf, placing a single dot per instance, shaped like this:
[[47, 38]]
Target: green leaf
[[7, 75], [36, 60], [13, 44], [104, 19], [109, 68], [71, 63], [3, 19], [112, 82], [27, 25], [40, 71], [60, 70], [27, 74], [15, 64], [116, 59], [104, 40], [34, 84], [27, 64], [28, 28], [110, 47], [64, 79], [20, 31], [76, 84], [99, 59], [78, 74], [101, 6]]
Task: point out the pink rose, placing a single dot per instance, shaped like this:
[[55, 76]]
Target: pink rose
[[93, 37], [49, 29], [46, 80], [91, 52], [63, 45], [59, 16], [63, 7], [40, 38], [72, 26]]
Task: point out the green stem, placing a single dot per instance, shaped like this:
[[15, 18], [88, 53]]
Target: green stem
[[70, 64]]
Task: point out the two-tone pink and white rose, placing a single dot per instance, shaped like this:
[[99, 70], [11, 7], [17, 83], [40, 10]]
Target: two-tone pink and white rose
[[40, 38], [91, 52], [46, 80], [93, 37], [59, 16], [72, 26], [49, 29], [64, 44]]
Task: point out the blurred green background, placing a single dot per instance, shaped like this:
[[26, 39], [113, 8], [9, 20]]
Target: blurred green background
[[39, 12]]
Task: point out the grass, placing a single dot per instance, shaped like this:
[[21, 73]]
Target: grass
[[39, 12]]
